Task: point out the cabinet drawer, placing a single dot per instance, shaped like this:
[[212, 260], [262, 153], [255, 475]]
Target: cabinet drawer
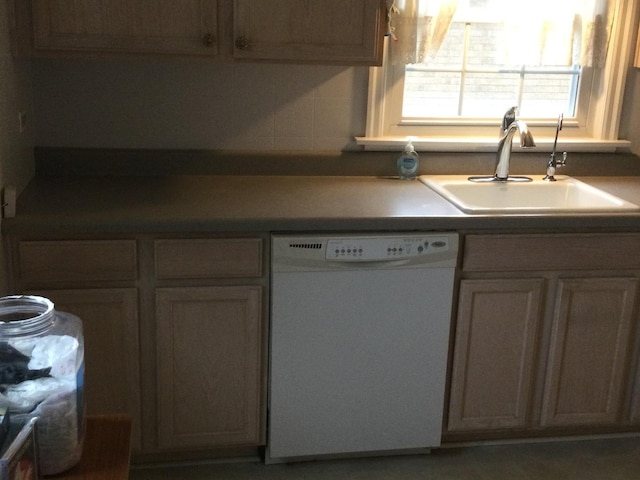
[[207, 258], [71, 261], [558, 251]]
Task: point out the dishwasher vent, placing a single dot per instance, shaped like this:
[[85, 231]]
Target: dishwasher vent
[[306, 245]]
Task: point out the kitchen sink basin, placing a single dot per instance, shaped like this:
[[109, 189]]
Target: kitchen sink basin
[[564, 195]]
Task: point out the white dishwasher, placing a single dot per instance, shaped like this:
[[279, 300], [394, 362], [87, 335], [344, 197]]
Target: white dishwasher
[[358, 343]]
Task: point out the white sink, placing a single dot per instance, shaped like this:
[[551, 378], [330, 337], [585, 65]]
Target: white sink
[[562, 196]]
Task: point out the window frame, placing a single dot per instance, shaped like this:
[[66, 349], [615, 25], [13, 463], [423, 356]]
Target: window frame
[[595, 129]]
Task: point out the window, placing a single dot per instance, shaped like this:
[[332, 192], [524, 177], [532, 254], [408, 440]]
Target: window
[[467, 78], [452, 93]]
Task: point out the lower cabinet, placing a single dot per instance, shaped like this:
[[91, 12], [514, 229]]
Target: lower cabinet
[[210, 343], [209, 366], [496, 344], [110, 328], [174, 334], [590, 352], [546, 334], [541, 350], [95, 280]]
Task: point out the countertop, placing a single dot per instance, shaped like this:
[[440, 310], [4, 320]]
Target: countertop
[[75, 205]]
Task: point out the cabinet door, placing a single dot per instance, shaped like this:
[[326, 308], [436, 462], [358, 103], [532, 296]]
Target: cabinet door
[[322, 31], [209, 366], [153, 26], [495, 350], [589, 353], [110, 328]]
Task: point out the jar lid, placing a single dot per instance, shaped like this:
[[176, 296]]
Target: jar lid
[[25, 315]]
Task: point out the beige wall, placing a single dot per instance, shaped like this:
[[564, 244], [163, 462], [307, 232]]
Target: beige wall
[[195, 104], [630, 120], [220, 106]]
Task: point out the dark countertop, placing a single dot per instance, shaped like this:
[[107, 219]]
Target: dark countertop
[[56, 206]]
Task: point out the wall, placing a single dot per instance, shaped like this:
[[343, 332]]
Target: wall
[[16, 149], [630, 121], [175, 104], [200, 104], [630, 116], [195, 104]]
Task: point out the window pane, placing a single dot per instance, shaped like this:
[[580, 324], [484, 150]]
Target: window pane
[[431, 94], [484, 40], [451, 51], [474, 75], [437, 94], [488, 94], [544, 94]]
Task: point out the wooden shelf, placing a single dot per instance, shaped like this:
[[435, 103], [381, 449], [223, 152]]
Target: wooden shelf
[[106, 452]]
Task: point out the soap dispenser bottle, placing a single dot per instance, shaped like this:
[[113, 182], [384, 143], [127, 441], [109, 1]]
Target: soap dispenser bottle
[[407, 163]]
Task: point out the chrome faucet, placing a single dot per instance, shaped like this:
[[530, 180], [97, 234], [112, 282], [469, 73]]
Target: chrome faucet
[[553, 161], [503, 157]]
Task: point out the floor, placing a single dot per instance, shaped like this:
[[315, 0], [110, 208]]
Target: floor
[[602, 459]]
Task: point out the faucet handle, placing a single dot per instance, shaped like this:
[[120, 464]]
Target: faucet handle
[[563, 162], [509, 117], [553, 164]]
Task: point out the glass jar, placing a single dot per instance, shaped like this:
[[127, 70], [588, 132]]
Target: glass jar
[[42, 375]]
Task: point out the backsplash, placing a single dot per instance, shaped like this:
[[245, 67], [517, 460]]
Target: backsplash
[[96, 161], [195, 104]]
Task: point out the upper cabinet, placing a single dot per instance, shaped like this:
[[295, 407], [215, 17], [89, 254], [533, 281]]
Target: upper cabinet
[[347, 32], [332, 31], [130, 26]]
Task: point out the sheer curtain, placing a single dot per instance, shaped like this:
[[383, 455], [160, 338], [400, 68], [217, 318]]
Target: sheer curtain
[[537, 32], [418, 28]]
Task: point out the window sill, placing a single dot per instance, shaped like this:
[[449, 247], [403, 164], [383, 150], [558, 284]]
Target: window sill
[[479, 144]]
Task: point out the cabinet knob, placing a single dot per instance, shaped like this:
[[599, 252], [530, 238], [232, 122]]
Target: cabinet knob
[[208, 40], [242, 43]]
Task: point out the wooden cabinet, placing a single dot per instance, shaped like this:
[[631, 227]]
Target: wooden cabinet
[[333, 31], [347, 32], [496, 342], [174, 333], [75, 262], [209, 366], [110, 326], [544, 337], [94, 280], [187, 27], [590, 351], [209, 338]]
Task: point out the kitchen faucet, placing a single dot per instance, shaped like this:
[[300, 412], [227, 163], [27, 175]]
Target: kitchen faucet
[[503, 157], [553, 161]]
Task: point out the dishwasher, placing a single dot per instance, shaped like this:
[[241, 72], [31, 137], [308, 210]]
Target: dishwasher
[[358, 343]]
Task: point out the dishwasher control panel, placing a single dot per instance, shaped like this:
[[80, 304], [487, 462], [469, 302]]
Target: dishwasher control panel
[[309, 252], [369, 249]]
